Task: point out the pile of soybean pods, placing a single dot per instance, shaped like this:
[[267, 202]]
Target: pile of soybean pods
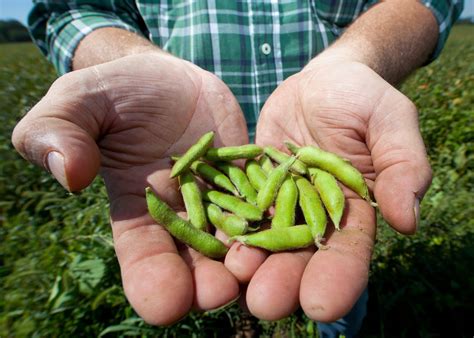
[[308, 178]]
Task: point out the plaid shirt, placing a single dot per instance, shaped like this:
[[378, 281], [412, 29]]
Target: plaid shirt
[[251, 45]]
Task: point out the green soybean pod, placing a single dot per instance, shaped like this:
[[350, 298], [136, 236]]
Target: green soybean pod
[[279, 239], [192, 154], [336, 165], [233, 153], [256, 174], [285, 205], [240, 180], [234, 205], [330, 192], [293, 148], [313, 210], [266, 164], [267, 194], [278, 156], [231, 225], [192, 200], [182, 230], [214, 176]]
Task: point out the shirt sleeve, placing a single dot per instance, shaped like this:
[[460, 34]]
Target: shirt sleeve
[[57, 27], [446, 13]]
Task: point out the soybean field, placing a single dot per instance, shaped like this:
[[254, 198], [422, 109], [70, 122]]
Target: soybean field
[[58, 272]]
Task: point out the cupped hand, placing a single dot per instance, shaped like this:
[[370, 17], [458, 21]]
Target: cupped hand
[[345, 108], [125, 119]]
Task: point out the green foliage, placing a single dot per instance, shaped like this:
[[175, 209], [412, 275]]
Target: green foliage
[[421, 285], [13, 31], [59, 275]]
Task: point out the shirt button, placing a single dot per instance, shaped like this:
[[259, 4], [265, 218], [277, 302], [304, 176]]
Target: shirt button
[[266, 48]]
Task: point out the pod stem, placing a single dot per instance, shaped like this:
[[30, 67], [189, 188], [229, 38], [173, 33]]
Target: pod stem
[[242, 239], [318, 242]]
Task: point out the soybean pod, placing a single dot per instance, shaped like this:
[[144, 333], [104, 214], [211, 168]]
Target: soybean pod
[[192, 154], [240, 180], [330, 193], [285, 205], [233, 153], [278, 156], [279, 239], [313, 210], [182, 230], [234, 205], [214, 176], [267, 194], [193, 200], [266, 164], [293, 148], [256, 174], [336, 165], [231, 225]]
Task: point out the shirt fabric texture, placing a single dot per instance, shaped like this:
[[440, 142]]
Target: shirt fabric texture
[[251, 45]]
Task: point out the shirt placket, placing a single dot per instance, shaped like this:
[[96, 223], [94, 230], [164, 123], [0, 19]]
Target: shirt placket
[[261, 34]]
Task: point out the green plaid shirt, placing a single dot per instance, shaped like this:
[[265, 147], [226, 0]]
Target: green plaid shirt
[[251, 45]]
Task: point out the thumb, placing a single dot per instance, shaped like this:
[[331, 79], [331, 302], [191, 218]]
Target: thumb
[[400, 161], [59, 133]]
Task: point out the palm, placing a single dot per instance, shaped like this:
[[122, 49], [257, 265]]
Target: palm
[[152, 120], [332, 110], [129, 116]]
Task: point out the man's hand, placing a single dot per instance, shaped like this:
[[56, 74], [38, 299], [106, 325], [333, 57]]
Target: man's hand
[[342, 103], [126, 118], [345, 108]]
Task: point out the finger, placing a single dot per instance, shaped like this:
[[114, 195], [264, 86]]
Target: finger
[[244, 261], [59, 132], [156, 280], [209, 276], [241, 261], [273, 292], [334, 278], [400, 161]]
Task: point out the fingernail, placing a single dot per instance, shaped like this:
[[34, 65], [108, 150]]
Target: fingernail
[[55, 165], [416, 210]]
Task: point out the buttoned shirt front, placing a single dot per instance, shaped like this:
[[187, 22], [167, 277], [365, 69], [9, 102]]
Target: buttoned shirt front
[[251, 45]]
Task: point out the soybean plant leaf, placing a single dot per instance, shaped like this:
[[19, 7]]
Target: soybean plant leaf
[[61, 302], [120, 328], [101, 297], [130, 326], [88, 274], [55, 289]]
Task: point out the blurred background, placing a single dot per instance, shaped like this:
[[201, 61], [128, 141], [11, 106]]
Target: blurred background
[[59, 275]]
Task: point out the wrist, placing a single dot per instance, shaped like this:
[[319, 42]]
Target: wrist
[[392, 38], [108, 44], [337, 55]]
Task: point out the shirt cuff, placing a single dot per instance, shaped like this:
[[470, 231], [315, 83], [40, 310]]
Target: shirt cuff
[[446, 13], [67, 30]]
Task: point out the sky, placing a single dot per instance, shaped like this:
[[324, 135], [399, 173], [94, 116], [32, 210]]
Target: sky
[[18, 9]]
